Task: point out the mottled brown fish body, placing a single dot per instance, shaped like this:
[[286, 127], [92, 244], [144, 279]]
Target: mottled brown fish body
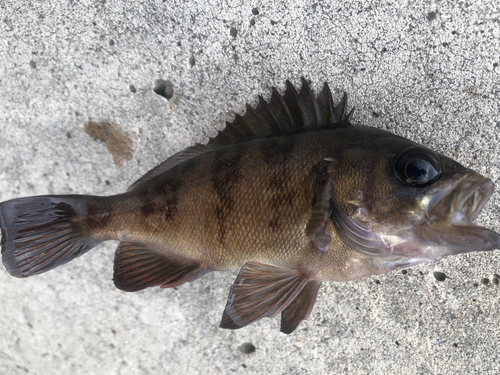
[[244, 202], [292, 193]]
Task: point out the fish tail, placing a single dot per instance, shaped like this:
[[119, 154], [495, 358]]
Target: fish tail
[[40, 233]]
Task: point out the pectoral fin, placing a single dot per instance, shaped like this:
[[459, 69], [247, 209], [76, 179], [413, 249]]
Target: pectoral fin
[[359, 237], [318, 221], [263, 290]]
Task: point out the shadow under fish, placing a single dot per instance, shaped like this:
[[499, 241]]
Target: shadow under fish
[[292, 193]]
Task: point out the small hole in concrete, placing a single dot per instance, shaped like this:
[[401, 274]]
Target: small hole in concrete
[[164, 88]]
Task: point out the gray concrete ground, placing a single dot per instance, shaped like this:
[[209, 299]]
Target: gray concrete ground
[[427, 70]]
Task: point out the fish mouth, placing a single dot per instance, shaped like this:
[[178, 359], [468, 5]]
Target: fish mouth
[[449, 225], [444, 228], [471, 198], [459, 203]]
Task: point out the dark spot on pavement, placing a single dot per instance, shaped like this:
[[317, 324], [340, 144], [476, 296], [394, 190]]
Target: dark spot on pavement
[[132, 89], [118, 140], [233, 32], [431, 16], [247, 348], [452, 316], [439, 276], [404, 272], [255, 11], [485, 281], [192, 61], [33, 64]]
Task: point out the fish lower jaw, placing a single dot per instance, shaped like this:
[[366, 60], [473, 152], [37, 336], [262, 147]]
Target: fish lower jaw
[[408, 251], [389, 266]]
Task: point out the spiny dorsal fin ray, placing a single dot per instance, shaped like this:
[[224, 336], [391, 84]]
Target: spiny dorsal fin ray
[[254, 119], [341, 108], [283, 113], [295, 106], [270, 123], [325, 104], [310, 105]]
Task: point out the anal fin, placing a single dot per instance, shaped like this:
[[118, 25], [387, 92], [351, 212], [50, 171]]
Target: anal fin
[[261, 290], [137, 266]]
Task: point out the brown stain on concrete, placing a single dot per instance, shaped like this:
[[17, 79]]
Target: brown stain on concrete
[[119, 143]]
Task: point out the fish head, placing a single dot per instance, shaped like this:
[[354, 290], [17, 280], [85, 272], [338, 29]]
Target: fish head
[[411, 205]]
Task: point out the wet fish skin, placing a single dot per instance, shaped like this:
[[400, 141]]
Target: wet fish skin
[[292, 193]]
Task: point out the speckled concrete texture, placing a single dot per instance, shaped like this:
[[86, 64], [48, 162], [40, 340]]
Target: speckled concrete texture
[[426, 70]]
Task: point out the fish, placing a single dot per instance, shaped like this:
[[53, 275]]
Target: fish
[[293, 193]]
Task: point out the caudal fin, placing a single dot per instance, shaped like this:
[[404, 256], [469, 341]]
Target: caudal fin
[[41, 233]]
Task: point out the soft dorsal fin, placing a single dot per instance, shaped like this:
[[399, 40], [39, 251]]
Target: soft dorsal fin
[[172, 161], [284, 113]]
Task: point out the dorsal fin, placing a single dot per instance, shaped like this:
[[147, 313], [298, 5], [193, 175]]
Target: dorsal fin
[[172, 161], [284, 113]]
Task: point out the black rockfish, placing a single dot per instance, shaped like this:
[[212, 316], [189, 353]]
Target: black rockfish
[[292, 193]]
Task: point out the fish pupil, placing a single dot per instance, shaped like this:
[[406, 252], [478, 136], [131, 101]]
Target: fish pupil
[[417, 170]]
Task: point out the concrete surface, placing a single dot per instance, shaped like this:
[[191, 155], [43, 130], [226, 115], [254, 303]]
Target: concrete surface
[[427, 70]]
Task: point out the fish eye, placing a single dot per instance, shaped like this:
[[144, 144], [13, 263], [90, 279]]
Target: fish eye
[[417, 167]]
